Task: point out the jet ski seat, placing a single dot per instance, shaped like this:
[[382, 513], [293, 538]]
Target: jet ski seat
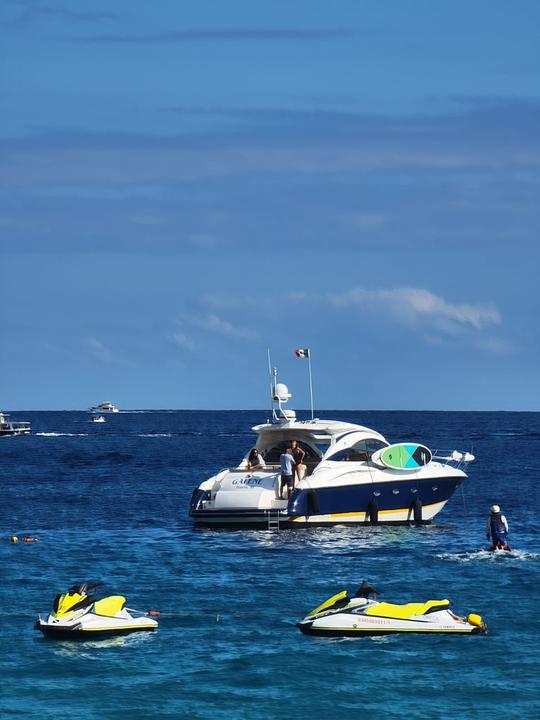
[[405, 612], [109, 606]]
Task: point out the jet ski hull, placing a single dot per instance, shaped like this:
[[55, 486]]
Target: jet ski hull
[[309, 628], [78, 615], [341, 616], [76, 632]]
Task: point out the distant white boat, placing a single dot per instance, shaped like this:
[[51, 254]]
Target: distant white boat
[[12, 428], [105, 407], [98, 419]]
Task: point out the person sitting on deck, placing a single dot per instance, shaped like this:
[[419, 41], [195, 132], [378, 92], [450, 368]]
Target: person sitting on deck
[[255, 460]]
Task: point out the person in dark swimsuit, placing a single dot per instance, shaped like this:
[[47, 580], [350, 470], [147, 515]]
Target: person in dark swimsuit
[[298, 455]]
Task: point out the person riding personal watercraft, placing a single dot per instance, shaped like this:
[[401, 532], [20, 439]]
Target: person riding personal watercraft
[[362, 614], [497, 530], [78, 614]]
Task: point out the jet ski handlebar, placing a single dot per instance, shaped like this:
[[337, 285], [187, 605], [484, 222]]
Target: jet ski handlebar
[[84, 588]]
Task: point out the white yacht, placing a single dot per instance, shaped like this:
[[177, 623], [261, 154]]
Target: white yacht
[[353, 476], [8, 428], [104, 407]]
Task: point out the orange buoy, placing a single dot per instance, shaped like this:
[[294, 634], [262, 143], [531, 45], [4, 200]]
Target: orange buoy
[[29, 539], [154, 613]]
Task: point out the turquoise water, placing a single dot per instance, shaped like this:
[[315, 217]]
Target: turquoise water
[[109, 503]]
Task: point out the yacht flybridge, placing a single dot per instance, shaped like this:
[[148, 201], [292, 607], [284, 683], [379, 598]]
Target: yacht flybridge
[[353, 476]]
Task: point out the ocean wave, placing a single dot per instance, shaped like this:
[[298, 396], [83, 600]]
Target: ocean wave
[[59, 434], [232, 434], [489, 555]]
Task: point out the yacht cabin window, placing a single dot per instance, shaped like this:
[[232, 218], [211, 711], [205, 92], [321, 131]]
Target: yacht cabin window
[[271, 456], [359, 452]]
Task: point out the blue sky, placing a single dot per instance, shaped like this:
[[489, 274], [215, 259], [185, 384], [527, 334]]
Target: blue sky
[[186, 184]]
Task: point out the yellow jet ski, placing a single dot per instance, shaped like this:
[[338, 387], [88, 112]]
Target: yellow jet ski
[[77, 614], [363, 614]]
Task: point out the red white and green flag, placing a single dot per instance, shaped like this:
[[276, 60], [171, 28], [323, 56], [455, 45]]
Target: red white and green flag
[[302, 352]]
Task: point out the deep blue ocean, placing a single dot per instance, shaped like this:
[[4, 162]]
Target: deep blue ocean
[[109, 503]]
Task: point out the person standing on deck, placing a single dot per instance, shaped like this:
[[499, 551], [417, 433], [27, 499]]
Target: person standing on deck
[[298, 454], [286, 461], [497, 529]]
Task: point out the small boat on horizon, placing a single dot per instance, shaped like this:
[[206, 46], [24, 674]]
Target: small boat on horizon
[[9, 428], [104, 407]]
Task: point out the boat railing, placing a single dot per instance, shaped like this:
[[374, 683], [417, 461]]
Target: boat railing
[[268, 469]]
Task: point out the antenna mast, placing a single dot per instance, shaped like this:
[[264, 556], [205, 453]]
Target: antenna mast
[[272, 373], [310, 383]]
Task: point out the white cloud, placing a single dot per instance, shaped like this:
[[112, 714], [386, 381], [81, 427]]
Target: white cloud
[[205, 241], [214, 324], [364, 221], [420, 304], [183, 341], [495, 346], [150, 220], [99, 350]]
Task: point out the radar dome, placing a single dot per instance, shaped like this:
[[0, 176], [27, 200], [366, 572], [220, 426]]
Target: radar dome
[[281, 393]]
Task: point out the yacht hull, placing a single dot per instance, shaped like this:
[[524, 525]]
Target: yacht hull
[[384, 503], [263, 520]]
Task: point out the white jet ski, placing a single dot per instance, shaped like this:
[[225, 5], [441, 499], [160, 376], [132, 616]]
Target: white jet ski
[[344, 616], [77, 615]]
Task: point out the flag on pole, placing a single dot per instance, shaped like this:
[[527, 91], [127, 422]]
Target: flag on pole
[[302, 352]]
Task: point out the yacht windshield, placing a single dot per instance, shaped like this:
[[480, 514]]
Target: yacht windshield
[[359, 452], [272, 455]]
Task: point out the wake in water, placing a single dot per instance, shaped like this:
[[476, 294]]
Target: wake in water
[[489, 555], [57, 434]]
